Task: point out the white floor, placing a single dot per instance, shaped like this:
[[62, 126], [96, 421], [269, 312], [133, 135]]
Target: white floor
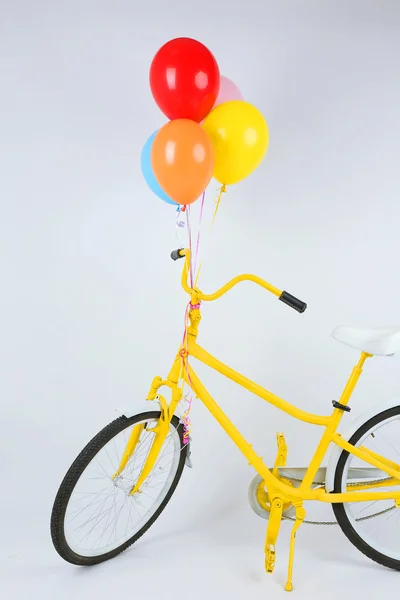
[[219, 555]]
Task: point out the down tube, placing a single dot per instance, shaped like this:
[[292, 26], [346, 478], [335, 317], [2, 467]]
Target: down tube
[[228, 426]]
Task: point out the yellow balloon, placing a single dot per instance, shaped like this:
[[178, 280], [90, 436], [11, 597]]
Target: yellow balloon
[[240, 137]]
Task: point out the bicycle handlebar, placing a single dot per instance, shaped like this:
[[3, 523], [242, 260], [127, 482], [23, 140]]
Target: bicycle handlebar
[[176, 254], [293, 302], [284, 296]]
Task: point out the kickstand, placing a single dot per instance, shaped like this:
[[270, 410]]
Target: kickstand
[[300, 516]]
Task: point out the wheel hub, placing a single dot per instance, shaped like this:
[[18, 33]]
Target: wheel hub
[[123, 484]]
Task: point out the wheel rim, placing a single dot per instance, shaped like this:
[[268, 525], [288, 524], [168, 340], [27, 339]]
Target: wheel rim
[[101, 515], [377, 522]]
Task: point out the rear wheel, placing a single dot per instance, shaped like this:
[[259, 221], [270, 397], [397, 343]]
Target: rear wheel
[[94, 517], [372, 526]]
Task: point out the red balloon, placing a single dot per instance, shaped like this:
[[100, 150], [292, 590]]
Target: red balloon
[[184, 79]]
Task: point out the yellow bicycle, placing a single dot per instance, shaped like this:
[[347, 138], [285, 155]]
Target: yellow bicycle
[[123, 479]]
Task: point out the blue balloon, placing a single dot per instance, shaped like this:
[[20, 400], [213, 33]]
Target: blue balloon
[[148, 173]]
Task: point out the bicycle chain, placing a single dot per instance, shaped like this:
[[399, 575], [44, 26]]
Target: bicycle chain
[[318, 483]]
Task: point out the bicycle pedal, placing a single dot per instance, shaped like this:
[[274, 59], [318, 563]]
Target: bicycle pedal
[[270, 560]]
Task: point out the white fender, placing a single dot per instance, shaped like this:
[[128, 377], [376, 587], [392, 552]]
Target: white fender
[[141, 406], [135, 408], [356, 424]]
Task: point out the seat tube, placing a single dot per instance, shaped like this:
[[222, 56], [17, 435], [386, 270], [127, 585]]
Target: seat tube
[[333, 423]]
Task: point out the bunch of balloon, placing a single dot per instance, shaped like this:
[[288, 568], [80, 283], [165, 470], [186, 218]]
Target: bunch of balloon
[[178, 159], [211, 131]]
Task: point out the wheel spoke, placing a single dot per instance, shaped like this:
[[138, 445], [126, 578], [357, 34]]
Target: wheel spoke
[[376, 523], [100, 514]]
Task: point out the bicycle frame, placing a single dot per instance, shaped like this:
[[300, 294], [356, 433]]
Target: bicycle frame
[[275, 485], [305, 491]]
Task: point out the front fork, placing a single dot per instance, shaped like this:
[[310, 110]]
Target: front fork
[[160, 431]]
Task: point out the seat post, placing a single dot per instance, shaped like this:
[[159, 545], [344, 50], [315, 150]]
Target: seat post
[[353, 379]]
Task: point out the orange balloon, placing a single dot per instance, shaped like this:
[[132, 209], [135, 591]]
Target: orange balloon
[[182, 158]]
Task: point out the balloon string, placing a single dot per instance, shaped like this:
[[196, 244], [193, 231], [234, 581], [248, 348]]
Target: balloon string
[[222, 190], [187, 426], [198, 274], [198, 239], [190, 243], [179, 224]]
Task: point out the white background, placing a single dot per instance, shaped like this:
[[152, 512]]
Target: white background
[[91, 307]]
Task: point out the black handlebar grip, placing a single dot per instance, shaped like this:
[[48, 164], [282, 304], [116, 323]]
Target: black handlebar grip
[[293, 302], [176, 254]]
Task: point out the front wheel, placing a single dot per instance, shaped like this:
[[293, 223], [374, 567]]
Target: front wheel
[[94, 517], [372, 526]]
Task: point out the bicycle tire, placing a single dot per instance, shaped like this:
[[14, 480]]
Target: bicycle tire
[[74, 473], [339, 508]]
